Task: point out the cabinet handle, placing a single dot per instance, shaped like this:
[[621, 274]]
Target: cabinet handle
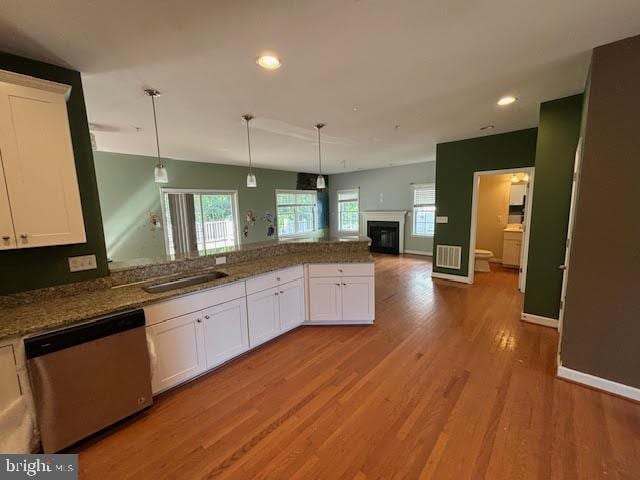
[[199, 320], [206, 317], [23, 236]]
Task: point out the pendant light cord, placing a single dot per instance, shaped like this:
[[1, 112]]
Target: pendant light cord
[[318, 127], [249, 144], [155, 123]]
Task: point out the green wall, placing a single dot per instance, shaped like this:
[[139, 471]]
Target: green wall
[[128, 194], [30, 268], [455, 164], [558, 136]]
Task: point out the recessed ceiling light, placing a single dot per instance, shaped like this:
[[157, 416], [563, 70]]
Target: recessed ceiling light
[[355, 108], [488, 127], [508, 100], [269, 62]]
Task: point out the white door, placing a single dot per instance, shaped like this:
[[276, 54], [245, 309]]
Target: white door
[[264, 316], [39, 167], [225, 331], [358, 298], [325, 299], [291, 300], [9, 385], [567, 253], [7, 234], [179, 351]]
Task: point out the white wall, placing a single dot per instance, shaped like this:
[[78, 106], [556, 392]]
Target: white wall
[[385, 189]]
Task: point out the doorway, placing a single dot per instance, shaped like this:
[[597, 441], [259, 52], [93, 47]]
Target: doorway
[[500, 221]]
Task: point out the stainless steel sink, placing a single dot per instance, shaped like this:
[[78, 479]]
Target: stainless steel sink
[[182, 282]]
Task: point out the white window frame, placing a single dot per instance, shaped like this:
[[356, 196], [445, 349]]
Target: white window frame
[[414, 187], [348, 190], [315, 213], [234, 207]]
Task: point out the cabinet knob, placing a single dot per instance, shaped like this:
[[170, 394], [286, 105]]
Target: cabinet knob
[[278, 278], [338, 284], [199, 320], [344, 284], [23, 236], [276, 293], [282, 292], [340, 270], [206, 317], [6, 238]]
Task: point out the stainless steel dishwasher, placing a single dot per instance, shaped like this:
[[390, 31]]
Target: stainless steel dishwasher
[[88, 376]]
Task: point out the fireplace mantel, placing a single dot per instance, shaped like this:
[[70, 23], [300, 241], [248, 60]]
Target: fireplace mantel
[[385, 216]]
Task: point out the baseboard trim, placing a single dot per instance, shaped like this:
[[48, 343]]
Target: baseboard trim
[[538, 320], [448, 276], [419, 252], [599, 383], [338, 322]]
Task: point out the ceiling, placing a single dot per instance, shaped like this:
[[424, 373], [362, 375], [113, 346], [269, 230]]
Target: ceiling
[[390, 78]]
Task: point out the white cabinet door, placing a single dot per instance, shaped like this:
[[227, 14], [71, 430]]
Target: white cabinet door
[[179, 350], [7, 234], [9, 386], [325, 299], [291, 300], [225, 331], [358, 301], [264, 316], [39, 167]]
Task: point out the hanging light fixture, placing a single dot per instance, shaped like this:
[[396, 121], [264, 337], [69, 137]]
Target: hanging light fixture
[[251, 178], [160, 172], [320, 183]]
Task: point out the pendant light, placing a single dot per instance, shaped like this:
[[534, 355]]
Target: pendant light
[[251, 178], [160, 172], [320, 183]]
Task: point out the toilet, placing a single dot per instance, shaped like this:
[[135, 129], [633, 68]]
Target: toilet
[[482, 260]]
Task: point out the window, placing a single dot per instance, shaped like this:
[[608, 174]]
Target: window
[[424, 210], [348, 211], [296, 212], [199, 220]]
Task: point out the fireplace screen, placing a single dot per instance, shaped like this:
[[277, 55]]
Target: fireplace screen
[[385, 236]]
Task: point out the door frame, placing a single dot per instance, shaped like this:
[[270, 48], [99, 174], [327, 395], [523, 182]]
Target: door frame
[[575, 191], [524, 253]]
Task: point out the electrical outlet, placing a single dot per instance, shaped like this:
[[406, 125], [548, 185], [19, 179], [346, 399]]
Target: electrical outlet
[[84, 262], [221, 260]]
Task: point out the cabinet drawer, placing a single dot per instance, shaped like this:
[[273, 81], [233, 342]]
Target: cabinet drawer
[[340, 269], [159, 312], [513, 236], [262, 282], [290, 274]]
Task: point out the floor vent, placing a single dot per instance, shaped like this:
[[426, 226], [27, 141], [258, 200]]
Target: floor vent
[[448, 256]]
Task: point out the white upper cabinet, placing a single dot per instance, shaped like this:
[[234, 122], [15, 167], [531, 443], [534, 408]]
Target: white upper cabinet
[[7, 234], [40, 186]]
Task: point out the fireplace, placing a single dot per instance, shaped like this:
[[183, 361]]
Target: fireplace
[[385, 236]]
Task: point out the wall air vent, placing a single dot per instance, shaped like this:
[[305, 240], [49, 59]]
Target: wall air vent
[[448, 256]]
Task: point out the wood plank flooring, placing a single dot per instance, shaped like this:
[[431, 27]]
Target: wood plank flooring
[[448, 384]]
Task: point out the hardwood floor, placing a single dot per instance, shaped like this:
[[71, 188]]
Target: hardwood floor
[[448, 384]]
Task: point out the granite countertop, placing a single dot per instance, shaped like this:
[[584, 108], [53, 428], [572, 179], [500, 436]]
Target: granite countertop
[[49, 313]]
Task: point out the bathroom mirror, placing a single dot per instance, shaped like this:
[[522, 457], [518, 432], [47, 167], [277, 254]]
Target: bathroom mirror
[[517, 202]]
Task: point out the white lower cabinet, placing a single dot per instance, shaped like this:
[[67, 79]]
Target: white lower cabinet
[[325, 299], [264, 316], [225, 331], [178, 345], [9, 384], [291, 302], [357, 298], [341, 293]]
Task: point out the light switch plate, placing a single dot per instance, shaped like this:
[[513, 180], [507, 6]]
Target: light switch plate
[[442, 219], [84, 262], [221, 260]]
